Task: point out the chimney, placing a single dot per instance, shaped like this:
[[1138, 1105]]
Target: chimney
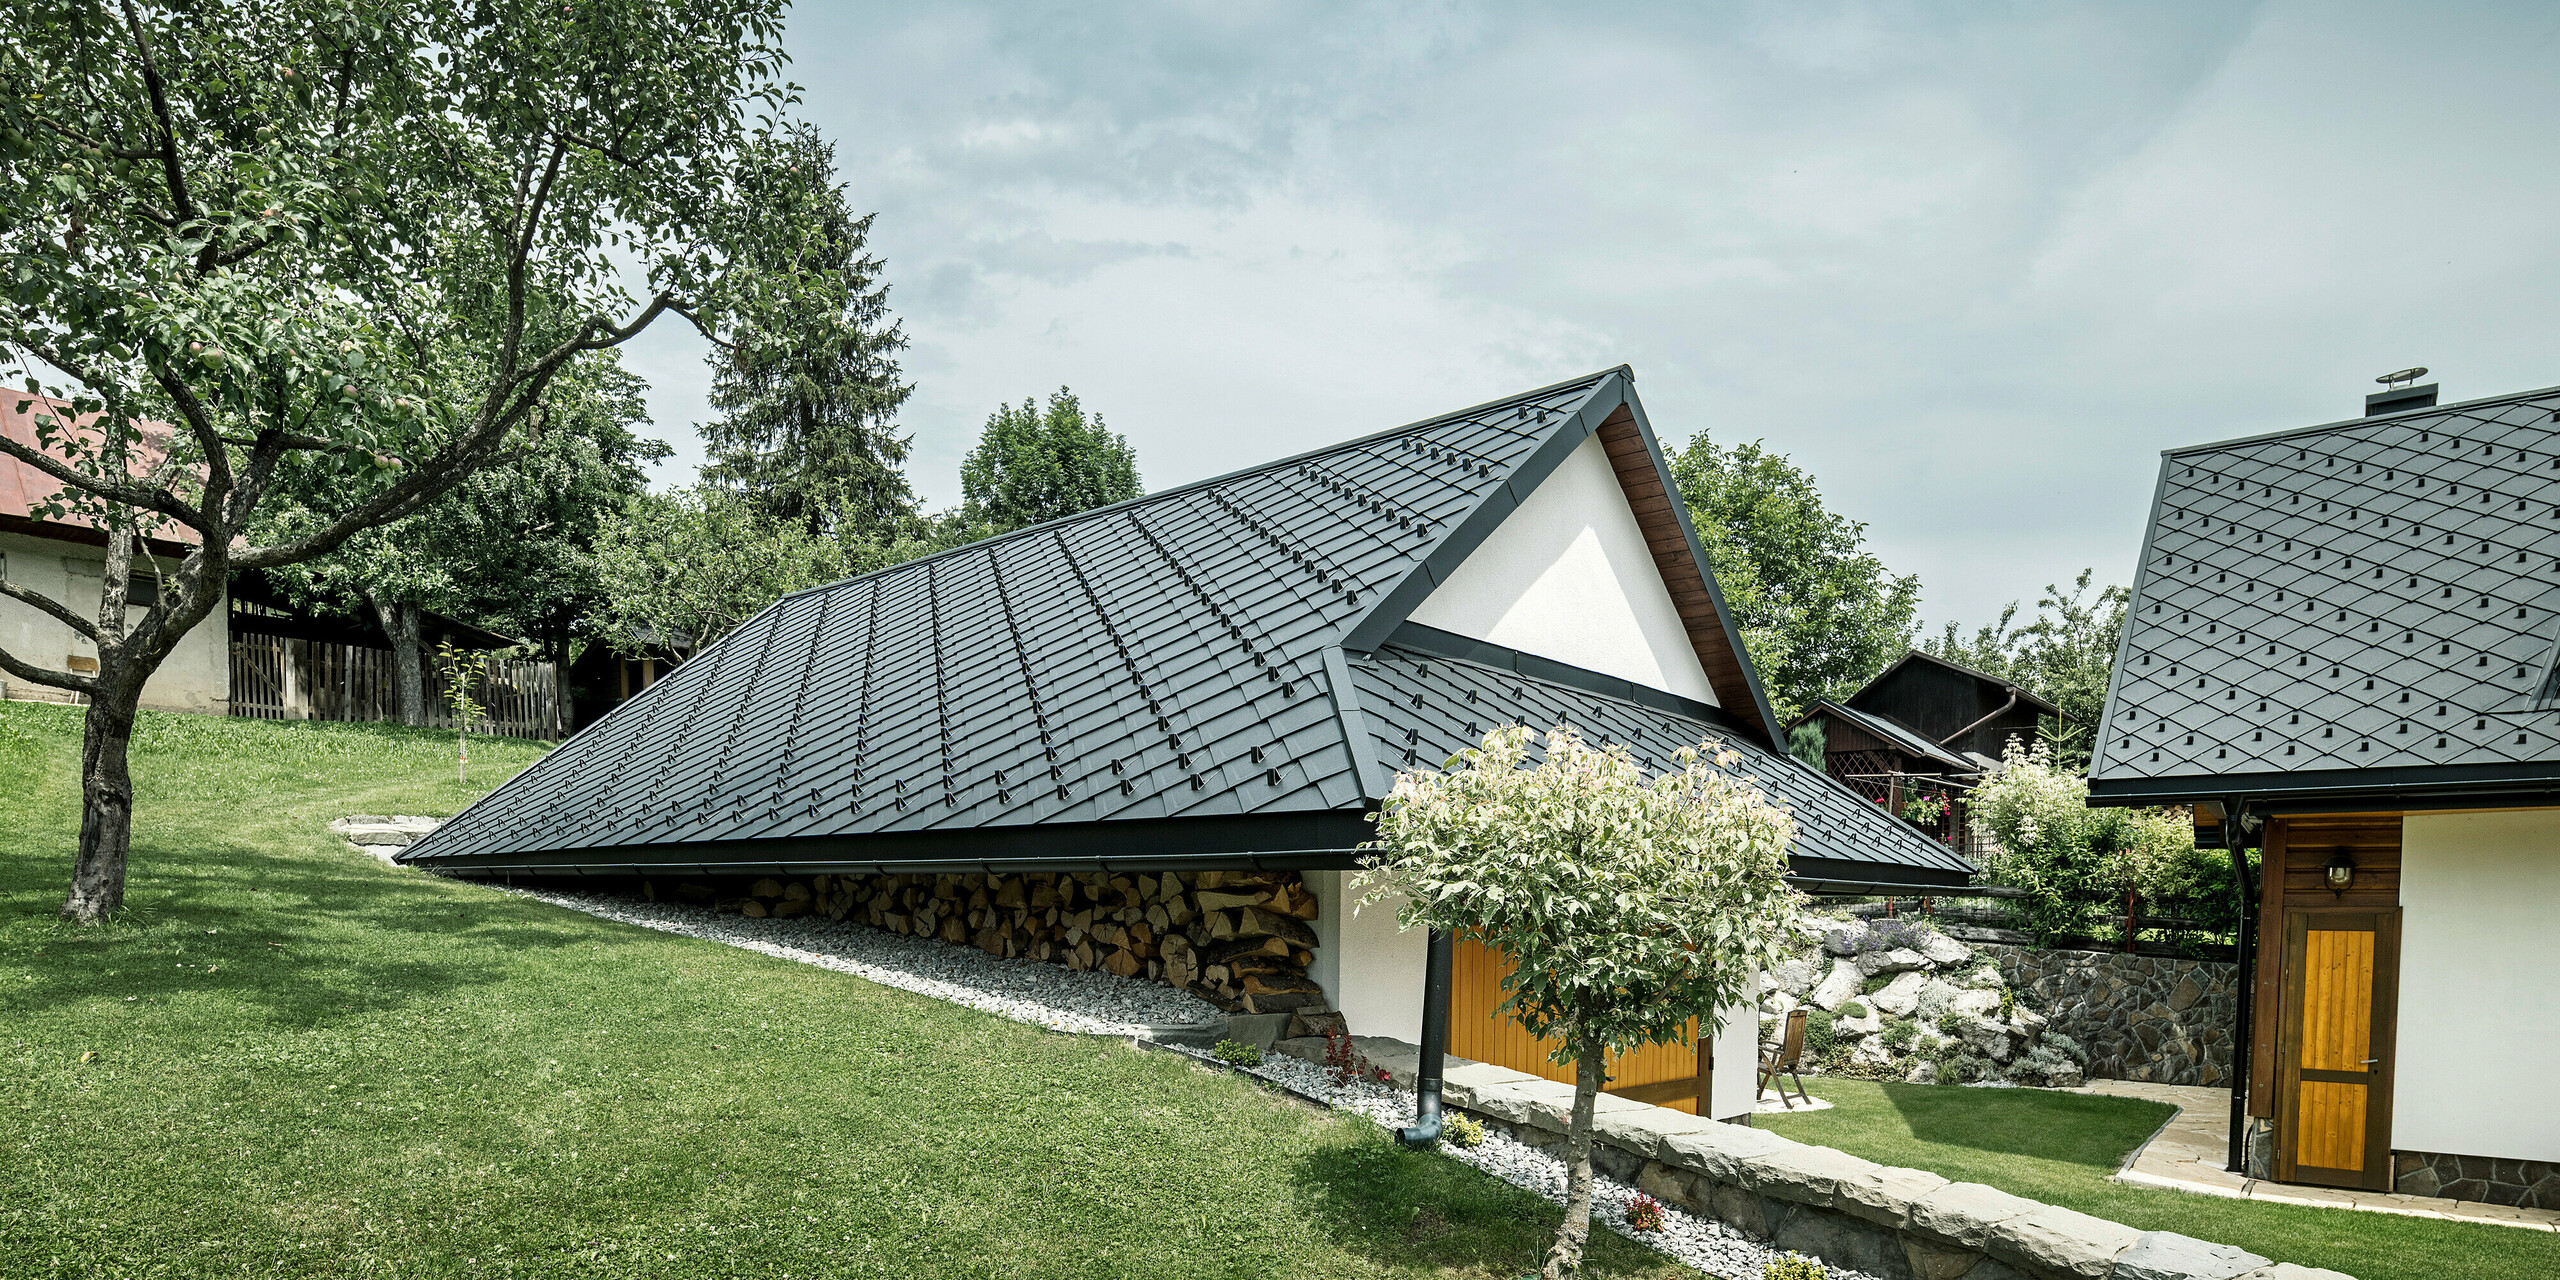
[[2398, 396]]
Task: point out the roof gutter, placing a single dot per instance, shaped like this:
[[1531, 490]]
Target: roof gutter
[[1276, 860], [2004, 710]]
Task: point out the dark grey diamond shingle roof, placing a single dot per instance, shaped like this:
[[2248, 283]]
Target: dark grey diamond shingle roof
[[1420, 708], [1168, 663], [2368, 602]]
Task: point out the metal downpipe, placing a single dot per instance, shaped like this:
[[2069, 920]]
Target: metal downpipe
[[1435, 1043], [2245, 937]]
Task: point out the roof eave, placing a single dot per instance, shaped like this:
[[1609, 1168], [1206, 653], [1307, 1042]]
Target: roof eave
[[2319, 784]]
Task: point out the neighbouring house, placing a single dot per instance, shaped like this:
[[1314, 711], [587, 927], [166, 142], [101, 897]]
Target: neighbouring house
[[256, 656], [1147, 738], [1915, 739], [2341, 650], [604, 676], [63, 555]]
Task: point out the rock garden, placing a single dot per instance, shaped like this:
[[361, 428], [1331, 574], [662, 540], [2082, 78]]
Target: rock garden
[[1894, 999]]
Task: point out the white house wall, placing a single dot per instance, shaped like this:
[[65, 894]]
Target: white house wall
[[1568, 576], [1735, 1084], [196, 677], [2479, 985], [1371, 968]]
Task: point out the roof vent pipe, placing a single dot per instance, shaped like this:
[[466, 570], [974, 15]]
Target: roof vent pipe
[[2398, 395]]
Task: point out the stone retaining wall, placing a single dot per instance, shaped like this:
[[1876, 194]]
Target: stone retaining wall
[[2139, 1017], [2522, 1184], [1900, 1224]]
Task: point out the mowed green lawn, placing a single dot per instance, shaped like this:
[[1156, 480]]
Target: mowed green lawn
[[309, 1064], [2061, 1148]]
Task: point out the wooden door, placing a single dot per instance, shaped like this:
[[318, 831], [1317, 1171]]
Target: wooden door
[[2341, 972], [1667, 1075]]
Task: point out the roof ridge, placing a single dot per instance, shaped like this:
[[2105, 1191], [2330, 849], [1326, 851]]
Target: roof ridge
[[1592, 380], [2513, 397]]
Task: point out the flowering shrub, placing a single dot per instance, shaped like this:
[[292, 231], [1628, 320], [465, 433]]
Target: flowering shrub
[[1793, 1266], [1237, 1053], [2076, 862], [1347, 1063], [1886, 935], [1644, 1213], [1925, 810], [1463, 1129]]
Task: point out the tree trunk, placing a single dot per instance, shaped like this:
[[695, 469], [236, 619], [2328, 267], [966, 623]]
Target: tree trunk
[[106, 798], [408, 673], [1564, 1258]]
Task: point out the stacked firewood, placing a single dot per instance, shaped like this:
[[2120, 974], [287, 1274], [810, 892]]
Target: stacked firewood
[[1239, 939]]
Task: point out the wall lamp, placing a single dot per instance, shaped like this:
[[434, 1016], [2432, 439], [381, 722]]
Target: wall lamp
[[2341, 872]]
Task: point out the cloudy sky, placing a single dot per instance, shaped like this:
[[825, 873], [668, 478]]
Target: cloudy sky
[[1971, 265]]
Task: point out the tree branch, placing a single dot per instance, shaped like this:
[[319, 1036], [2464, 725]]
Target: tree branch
[[184, 203], [131, 495], [51, 608], [33, 674]]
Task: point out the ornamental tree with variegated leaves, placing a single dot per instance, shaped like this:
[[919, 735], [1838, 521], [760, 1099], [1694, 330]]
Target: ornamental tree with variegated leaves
[[1632, 901], [344, 250]]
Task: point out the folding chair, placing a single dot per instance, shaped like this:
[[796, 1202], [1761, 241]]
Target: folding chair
[[1784, 1058]]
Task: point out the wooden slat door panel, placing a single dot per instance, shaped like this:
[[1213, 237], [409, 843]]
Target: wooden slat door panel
[[2334, 1080], [1669, 1075]]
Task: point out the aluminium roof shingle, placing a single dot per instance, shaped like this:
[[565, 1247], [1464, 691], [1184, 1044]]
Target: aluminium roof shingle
[[1175, 664], [2364, 603], [1420, 708]]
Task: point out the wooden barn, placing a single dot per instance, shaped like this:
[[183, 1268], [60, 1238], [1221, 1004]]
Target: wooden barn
[[1915, 738], [2341, 650], [1145, 738]]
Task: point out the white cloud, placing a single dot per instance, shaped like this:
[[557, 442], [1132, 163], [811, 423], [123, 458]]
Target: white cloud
[[1973, 268]]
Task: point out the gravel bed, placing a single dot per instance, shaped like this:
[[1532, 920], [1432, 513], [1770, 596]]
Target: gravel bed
[[1048, 995], [1098, 1003], [1704, 1243]]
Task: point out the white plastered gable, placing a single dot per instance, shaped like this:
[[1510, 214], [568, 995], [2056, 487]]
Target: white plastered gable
[[1568, 576]]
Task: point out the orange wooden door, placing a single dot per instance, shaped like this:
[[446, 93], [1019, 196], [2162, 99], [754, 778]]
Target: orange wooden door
[[2334, 1096], [1670, 1075]]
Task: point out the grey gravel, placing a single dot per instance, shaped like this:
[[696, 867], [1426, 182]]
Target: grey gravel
[[1704, 1243]]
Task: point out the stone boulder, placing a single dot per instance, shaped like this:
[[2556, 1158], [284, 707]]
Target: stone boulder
[[1975, 1004], [1989, 1038], [1871, 1052], [1937, 995], [1873, 964], [1794, 977], [1843, 983], [1848, 1028], [1943, 951], [1922, 1073], [1843, 940], [1901, 997]]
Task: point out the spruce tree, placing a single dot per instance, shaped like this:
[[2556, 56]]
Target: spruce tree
[[807, 405]]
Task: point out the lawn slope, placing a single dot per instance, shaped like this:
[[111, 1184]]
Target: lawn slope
[[309, 1064], [2061, 1147]]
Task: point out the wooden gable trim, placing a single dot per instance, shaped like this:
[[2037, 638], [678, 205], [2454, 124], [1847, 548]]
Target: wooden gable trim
[[1651, 500]]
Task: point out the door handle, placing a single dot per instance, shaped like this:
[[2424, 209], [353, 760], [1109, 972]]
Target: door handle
[[2370, 1061]]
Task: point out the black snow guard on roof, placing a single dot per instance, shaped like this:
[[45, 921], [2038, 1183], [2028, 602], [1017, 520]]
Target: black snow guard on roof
[[1215, 675], [2365, 608]]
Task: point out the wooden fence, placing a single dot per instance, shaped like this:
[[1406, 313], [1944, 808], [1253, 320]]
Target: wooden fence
[[280, 678]]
